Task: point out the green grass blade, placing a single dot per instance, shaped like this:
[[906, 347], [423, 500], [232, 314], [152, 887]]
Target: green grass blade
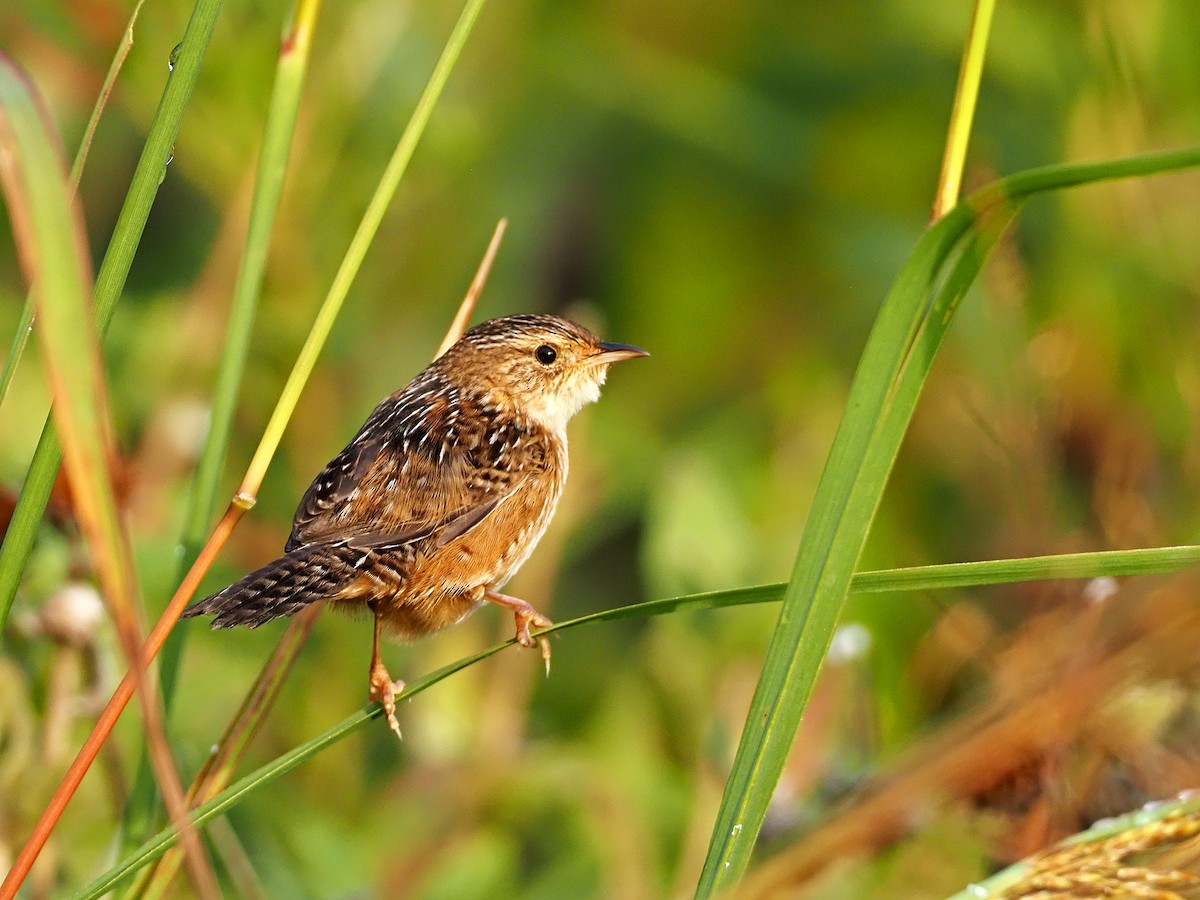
[[278, 131], [962, 114], [882, 396], [25, 325], [110, 281], [48, 227], [106, 89], [953, 575], [357, 251], [1098, 564], [16, 349], [49, 237], [899, 352]]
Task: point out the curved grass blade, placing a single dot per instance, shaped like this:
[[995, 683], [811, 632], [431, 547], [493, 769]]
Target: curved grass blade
[[1097, 564], [110, 281], [953, 575], [268, 773], [911, 325]]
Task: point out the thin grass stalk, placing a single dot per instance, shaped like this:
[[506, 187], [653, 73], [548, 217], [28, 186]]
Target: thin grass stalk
[[48, 227], [110, 281], [124, 691], [950, 576], [1097, 564], [962, 113], [893, 367], [467, 307], [25, 324], [16, 349], [106, 89], [218, 770], [357, 251], [278, 132]]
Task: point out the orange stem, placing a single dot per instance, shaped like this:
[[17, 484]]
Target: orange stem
[[120, 698], [242, 501]]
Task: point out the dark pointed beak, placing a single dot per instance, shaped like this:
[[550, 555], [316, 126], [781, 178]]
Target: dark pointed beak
[[611, 353]]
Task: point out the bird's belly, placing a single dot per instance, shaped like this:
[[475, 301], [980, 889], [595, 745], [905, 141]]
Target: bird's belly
[[410, 615], [446, 584]]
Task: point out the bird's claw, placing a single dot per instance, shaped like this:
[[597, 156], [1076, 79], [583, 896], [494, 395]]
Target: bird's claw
[[526, 616], [525, 639], [383, 690]]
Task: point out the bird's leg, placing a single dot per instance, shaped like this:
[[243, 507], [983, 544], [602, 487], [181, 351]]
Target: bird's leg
[[525, 615], [381, 689]]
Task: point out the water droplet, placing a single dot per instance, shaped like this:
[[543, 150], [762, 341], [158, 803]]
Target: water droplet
[[1153, 806], [171, 60], [1102, 824], [977, 890], [1188, 794], [737, 829], [162, 176]]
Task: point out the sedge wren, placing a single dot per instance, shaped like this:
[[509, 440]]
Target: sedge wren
[[442, 494]]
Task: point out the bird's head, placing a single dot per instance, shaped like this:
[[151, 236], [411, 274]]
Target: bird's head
[[543, 367]]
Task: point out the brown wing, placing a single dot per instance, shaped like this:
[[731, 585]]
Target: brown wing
[[427, 464]]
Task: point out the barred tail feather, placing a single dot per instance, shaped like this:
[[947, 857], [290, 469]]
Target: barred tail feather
[[282, 587]]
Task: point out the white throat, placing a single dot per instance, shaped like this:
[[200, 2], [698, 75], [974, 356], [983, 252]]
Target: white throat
[[553, 409]]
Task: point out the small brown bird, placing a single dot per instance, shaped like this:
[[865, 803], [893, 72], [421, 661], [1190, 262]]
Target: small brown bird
[[442, 494]]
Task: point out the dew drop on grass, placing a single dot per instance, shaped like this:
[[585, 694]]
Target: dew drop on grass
[[163, 175], [174, 56]]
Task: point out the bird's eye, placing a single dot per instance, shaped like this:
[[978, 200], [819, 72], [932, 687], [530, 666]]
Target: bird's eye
[[545, 354]]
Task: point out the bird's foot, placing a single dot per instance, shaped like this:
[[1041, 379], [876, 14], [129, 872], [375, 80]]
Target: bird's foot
[[382, 690], [526, 616]]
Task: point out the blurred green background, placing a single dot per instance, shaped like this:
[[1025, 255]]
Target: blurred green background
[[732, 186]]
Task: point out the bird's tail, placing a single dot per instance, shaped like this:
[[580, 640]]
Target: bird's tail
[[282, 587]]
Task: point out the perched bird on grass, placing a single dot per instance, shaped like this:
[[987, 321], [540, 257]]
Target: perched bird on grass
[[442, 494]]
